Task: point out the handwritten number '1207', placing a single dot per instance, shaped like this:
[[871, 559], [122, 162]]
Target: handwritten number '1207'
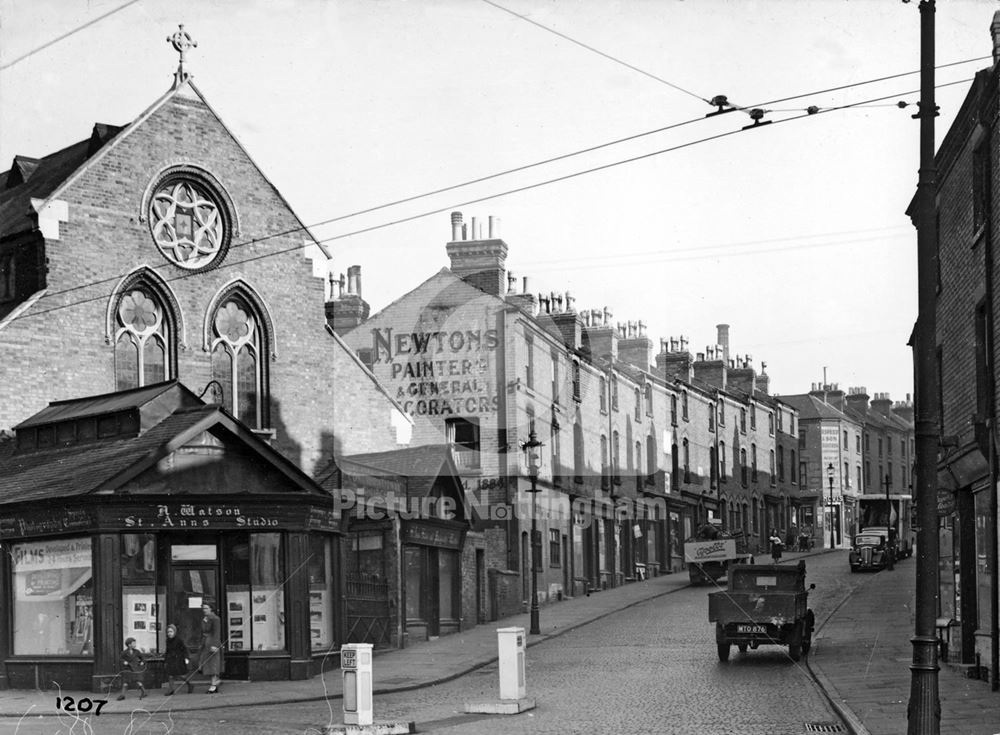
[[84, 705]]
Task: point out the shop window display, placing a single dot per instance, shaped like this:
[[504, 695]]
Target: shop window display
[[320, 593], [267, 592], [53, 597], [142, 599]]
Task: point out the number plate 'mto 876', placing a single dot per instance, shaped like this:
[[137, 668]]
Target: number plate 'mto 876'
[[747, 628]]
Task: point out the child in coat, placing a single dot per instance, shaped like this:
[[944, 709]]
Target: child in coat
[[133, 668]]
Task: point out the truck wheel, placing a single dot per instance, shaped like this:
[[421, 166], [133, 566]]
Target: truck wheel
[[723, 651]]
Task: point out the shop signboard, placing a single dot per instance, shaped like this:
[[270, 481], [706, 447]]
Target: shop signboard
[[428, 535]]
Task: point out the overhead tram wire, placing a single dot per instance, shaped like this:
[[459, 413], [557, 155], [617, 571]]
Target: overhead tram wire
[[66, 35], [596, 51], [517, 169], [402, 220]]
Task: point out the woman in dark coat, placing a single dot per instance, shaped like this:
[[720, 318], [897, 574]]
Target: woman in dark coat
[[211, 660], [176, 659]]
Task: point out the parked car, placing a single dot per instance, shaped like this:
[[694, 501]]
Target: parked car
[[869, 552]]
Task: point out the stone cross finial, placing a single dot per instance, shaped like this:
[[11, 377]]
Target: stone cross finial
[[181, 41]]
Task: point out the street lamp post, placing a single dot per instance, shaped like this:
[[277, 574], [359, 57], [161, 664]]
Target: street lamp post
[[829, 475], [890, 545], [533, 455]]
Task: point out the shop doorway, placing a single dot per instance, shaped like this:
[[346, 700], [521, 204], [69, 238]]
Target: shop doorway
[[194, 580]]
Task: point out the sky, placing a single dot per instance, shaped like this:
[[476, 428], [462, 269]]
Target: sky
[[793, 233]]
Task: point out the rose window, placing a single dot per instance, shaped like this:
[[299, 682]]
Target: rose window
[[187, 224]]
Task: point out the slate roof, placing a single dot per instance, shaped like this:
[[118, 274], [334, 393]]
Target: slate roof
[[102, 465], [76, 408], [82, 469], [45, 176], [811, 407], [419, 466]]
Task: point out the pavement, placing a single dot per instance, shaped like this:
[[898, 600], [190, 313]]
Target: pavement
[[860, 659]]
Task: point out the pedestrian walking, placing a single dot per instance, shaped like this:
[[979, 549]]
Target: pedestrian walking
[[176, 660], [210, 659], [133, 669], [775, 546]]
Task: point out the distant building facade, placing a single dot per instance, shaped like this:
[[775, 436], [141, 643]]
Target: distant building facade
[[638, 449]]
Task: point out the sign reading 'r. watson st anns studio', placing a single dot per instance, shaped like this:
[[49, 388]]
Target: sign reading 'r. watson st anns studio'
[[440, 373]]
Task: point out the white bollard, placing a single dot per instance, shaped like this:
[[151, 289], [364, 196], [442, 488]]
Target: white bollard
[[356, 665], [511, 644]]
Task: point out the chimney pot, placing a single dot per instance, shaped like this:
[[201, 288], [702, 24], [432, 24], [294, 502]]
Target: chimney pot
[[456, 226]]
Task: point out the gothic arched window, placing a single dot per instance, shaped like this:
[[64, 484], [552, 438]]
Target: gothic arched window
[[238, 352], [143, 339]]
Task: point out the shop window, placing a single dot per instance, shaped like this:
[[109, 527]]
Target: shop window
[[238, 349], [53, 597], [143, 339], [254, 595], [143, 601], [268, 595], [236, 561], [463, 435], [321, 594], [554, 548]]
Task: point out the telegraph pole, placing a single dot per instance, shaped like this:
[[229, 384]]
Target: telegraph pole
[[924, 710]]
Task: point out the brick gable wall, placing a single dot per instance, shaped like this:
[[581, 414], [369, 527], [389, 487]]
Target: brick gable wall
[[56, 353]]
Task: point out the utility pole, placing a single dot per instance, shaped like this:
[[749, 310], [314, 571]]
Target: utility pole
[[924, 709]]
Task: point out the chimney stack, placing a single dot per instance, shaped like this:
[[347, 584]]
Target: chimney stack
[[723, 341], [480, 262], [347, 310], [674, 361]]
